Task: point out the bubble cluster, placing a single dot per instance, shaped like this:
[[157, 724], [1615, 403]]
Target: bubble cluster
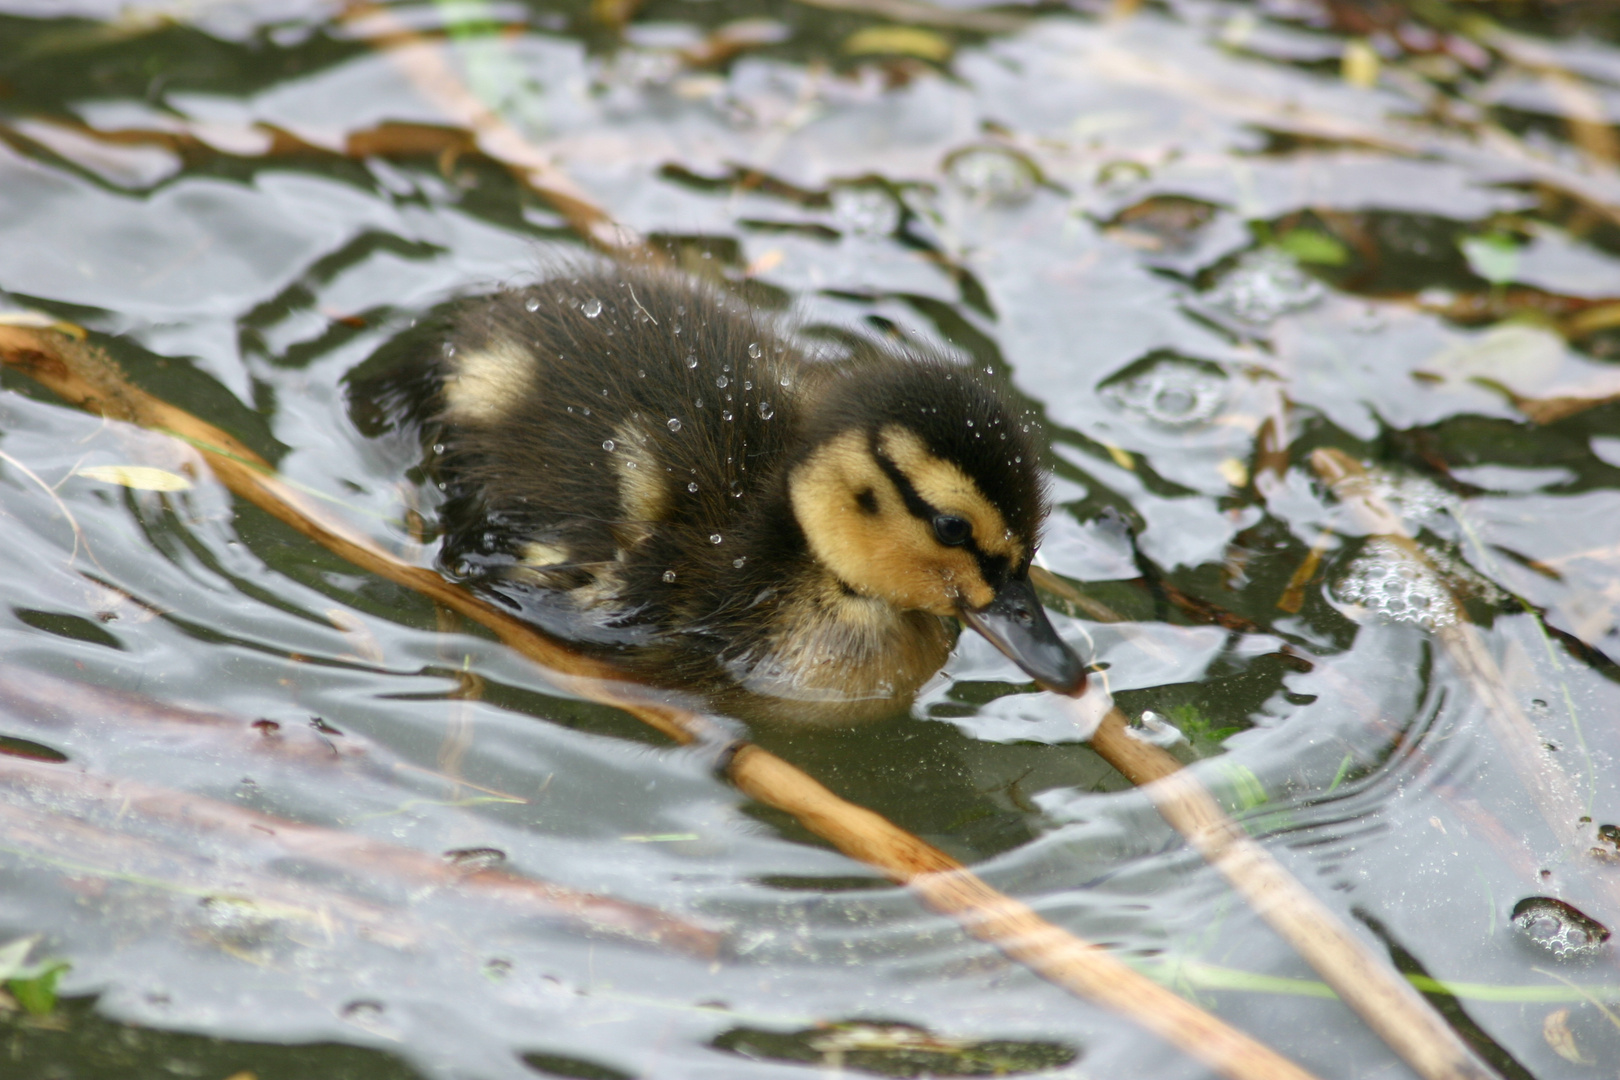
[[1565, 931], [1388, 582]]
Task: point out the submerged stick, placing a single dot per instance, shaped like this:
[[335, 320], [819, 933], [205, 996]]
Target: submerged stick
[[85, 376], [71, 798]]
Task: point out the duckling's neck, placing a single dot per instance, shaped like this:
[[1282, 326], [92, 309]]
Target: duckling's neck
[[828, 651]]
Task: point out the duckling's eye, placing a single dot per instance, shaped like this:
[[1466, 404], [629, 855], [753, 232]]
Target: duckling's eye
[[951, 530]]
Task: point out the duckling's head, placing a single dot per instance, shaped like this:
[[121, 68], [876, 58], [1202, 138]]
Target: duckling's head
[[920, 485]]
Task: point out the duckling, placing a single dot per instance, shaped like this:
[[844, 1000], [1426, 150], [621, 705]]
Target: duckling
[[646, 466]]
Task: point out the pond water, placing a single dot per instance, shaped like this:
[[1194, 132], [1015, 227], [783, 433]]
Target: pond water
[[1319, 302]]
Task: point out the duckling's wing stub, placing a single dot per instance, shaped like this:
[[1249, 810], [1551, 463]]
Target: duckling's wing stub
[[1016, 623]]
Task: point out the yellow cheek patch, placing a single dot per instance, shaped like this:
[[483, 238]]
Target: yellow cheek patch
[[486, 384], [947, 488], [886, 552]]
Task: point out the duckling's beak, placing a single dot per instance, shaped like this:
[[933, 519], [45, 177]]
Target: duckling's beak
[[1016, 623]]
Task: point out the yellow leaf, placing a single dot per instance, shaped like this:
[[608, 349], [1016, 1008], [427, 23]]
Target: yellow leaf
[[34, 320], [1359, 64], [139, 477], [1122, 457], [898, 41]]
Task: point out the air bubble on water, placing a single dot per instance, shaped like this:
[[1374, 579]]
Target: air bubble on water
[[766, 411], [784, 382], [1173, 391], [698, 403], [674, 424], [754, 350], [473, 859], [677, 329], [722, 382], [692, 486], [715, 538], [992, 174], [1559, 928], [725, 414], [748, 384], [630, 463], [691, 360], [532, 304], [1388, 581], [865, 211], [607, 444], [738, 563], [591, 308], [586, 409], [1264, 285], [669, 576], [438, 448], [449, 350]]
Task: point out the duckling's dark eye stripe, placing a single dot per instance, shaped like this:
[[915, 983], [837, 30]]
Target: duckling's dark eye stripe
[[992, 567], [916, 505]]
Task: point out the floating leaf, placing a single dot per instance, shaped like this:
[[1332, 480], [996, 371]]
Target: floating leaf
[[898, 41], [1310, 246], [38, 993], [14, 956], [1555, 1029], [139, 477], [33, 986], [1494, 257], [895, 1049]]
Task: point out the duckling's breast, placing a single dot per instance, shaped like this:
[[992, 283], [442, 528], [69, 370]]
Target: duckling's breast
[[832, 655]]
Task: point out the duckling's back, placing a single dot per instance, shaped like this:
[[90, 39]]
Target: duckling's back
[[604, 436]]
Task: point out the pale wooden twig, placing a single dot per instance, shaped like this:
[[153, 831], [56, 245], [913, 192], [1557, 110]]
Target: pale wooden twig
[[423, 61]]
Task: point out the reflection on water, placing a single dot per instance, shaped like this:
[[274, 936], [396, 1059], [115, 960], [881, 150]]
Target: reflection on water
[[1214, 244]]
